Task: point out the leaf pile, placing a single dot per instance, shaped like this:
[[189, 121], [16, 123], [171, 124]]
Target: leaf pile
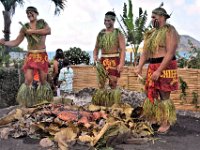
[[69, 125]]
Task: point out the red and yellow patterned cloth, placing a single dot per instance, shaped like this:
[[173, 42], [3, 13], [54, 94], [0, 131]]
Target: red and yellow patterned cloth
[[36, 61], [168, 81], [110, 64]]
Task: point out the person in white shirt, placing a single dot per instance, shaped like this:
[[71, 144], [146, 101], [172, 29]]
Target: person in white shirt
[[65, 78]]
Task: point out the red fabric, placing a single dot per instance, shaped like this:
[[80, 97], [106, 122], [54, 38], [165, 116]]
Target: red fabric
[[110, 64], [36, 61], [36, 75], [168, 80]]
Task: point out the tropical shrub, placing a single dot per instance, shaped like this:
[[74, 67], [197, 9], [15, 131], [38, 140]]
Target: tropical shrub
[[10, 80], [183, 87], [193, 60], [77, 56]]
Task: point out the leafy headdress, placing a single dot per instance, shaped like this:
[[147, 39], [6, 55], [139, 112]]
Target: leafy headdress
[[156, 37], [161, 11]]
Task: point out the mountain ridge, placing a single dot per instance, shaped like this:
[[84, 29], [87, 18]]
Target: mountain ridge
[[184, 46]]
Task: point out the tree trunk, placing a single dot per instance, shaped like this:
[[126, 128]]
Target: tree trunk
[[7, 23], [6, 31], [136, 47], [131, 57]]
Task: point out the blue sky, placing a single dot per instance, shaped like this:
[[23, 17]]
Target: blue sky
[[80, 22]]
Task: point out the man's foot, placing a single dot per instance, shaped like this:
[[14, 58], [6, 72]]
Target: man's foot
[[163, 129]]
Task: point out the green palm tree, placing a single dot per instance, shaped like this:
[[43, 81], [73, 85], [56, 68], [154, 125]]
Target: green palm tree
[[134, 28], [9, 10]]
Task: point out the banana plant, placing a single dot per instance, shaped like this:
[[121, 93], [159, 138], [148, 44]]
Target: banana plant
[[134, 28], [77, 56]]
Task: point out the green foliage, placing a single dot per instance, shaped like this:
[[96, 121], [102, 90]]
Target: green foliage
[[193, 60], [10, 5], [4, 58], [106, 97], [107, 40], [59, 5], [182, 61], [183, 87], [128, 17], [9, 84], [134, 28], [18, 63], [1, 55], [195, 97], [77, 56], [102, 75], [16, 49], [140, 26]]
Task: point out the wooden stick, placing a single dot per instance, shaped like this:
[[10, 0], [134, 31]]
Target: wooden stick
[[33, 36]]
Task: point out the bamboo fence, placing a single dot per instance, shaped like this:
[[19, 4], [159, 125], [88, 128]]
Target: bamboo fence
[[85, 76]]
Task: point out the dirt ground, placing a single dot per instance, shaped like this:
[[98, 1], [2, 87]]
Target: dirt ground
[[184, 135]]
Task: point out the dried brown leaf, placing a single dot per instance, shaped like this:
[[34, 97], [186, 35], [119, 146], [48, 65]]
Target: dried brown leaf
[[14, 115], [64, 136], [86, 138], [94, 107]]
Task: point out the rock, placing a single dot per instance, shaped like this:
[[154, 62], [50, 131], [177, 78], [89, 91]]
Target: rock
[[133, 98], [84, 96], [46, 142]]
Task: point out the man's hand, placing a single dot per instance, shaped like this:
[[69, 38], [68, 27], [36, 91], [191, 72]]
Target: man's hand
[[155, 76], [95, 58], [138, 71], [30, 31], [2, 41], [120, 68]]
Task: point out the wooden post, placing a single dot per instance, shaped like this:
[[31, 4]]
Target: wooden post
[[198, 81]]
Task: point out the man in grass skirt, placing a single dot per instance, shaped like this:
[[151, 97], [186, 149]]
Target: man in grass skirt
[[111, 42], [160, 44], [36, 60]]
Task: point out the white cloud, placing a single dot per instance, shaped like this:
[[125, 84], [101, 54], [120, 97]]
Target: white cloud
[[193, 9], [179, 2], [80, 22]]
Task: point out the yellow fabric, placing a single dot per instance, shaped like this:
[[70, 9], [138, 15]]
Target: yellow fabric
[[37, 51], [169, 73], [110, 55]]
